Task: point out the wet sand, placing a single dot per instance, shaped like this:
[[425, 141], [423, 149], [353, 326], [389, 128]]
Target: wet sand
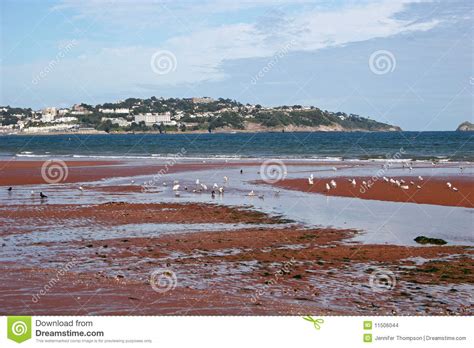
[[257, 270], [249, 263], [19, 172], [433, 190]]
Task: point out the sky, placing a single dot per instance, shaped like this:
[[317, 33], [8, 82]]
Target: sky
[[408, 63]]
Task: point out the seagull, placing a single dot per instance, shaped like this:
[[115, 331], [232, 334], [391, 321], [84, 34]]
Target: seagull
[[81, 188], [385, 179], [398, 183], [10, 189], [241, 171], [176, 187], [215, 186], [410, 168], [412, 183], [328, 187], [449, 184], [165, 184], [334, 168], [261, 196], [455, 189], [177, 194], [197, 181], [185, 188], [392, 181], [404, 187], [226, 179], [32, 192], [251, 193], [418, 187], [310, 181], [402, 181], [204, 187], [364, 183], [132, 181], [42, 195], [353, 182], [213, 194], [420, 177], [333, 183], [221, 190]]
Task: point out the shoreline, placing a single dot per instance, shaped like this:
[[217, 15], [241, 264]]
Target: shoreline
[[233, 131]]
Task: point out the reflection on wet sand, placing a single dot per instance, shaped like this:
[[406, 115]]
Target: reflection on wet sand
[[93, 251]]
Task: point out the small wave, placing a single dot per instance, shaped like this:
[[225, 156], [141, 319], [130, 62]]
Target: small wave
[[30, 155]]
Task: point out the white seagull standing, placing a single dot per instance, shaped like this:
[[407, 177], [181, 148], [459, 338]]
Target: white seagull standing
[[328, 187], [176, 187]]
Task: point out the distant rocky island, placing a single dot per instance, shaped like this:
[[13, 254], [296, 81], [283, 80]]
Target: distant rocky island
[[177, 115], [466, 127]]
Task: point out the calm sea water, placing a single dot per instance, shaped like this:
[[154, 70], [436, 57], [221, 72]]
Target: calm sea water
[[452, 146]]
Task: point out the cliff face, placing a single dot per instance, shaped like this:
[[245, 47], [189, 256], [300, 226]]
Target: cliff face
[[465, 127]]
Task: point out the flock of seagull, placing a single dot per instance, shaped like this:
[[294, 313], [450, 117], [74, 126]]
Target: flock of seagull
[[200, 187], [219, 189], [396, 182]]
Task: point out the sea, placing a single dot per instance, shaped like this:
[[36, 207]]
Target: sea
[[329, 146]]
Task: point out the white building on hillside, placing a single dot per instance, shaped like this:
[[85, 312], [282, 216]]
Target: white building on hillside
[[119, 120], [151, 119], [48, 114], [115, 111]]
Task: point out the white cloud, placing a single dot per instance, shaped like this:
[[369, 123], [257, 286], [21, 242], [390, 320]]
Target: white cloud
[[201, 52]]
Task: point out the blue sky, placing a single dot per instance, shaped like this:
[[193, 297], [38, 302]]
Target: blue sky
[[409, 63]]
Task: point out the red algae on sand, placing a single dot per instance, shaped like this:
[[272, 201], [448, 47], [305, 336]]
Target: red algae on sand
[[430, 190]]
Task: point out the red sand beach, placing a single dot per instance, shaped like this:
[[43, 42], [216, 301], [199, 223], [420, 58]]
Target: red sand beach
[[264, 265], [233, 272], [433, 190], [18, 172]]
